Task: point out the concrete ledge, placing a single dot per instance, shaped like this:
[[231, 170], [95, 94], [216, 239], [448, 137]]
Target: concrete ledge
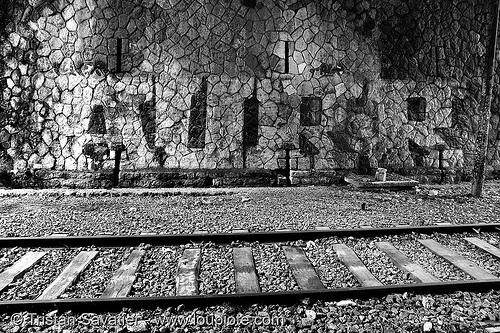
[[202, 178], [146, 178], [314, 177], [62, 179], [151, 178], [435, 176], [394, 182]]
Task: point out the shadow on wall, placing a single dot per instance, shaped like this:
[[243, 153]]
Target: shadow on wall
[[6, 161], [198, 116], [97, 123], [147, 112]]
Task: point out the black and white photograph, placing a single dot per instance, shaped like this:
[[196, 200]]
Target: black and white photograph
[[249, 166]]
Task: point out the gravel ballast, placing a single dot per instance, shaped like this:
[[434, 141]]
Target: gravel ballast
[[470, 251], [332, 273], [261, 210], [156, 275], [458, 312], [272, 268], [256, 209], [217, 270], [34, 281], [379, 264], [440, 268], [92, 282], [8, 256]]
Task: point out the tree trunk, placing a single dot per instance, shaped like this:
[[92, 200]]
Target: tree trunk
[[485, 109]]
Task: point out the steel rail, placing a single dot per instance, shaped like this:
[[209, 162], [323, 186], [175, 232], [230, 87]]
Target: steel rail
[[228, 238], [286, 297]]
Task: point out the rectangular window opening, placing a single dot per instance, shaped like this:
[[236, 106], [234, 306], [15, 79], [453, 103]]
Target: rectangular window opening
[[249, 3], [119, 51], [310, 111], [417, 109], [251, 120], [287, 57], [198, 117]]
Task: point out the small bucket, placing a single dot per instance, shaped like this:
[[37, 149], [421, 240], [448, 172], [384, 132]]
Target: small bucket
[[380, 174]]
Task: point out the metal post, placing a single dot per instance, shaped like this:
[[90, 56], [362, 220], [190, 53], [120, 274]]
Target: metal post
[[287, 167], [116, 171]]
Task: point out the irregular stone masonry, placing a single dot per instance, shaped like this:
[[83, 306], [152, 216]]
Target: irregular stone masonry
[[344, 83]]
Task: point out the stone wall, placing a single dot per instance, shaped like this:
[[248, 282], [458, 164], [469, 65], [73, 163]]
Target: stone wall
[[208, 84], [436, 51]]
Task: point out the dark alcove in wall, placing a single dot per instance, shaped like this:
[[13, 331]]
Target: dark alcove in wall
[[97, 123], [198, 117]]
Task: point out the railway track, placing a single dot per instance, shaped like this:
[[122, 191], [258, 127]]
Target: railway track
[[116, 294]]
